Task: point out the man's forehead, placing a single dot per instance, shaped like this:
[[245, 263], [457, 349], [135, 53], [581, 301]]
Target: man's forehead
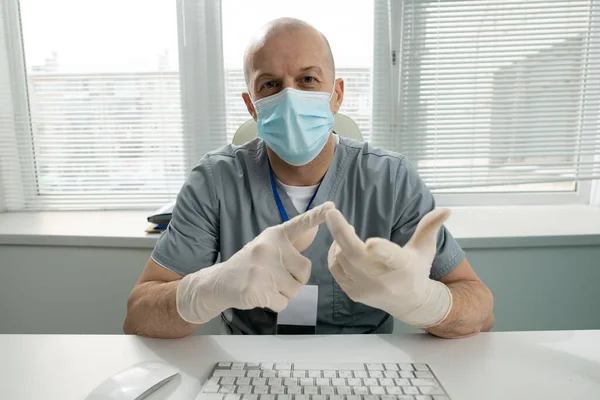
[[287, 51]]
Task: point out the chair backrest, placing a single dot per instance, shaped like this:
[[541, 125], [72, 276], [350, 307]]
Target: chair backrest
[[343, 125]]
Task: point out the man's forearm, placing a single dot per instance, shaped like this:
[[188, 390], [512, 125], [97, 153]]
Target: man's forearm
[[471, 313], [152, 312]]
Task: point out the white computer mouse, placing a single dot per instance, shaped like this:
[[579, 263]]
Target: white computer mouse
[[135, 382]]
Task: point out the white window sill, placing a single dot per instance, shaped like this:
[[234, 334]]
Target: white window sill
[[473, 227]]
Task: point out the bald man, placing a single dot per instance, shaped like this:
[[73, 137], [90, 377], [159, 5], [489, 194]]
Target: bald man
[[309, 225]]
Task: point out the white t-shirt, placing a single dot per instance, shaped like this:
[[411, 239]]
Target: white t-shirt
[[301, 195]]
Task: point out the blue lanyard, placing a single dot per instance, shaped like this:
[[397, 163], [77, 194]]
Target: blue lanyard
[[280, 207]]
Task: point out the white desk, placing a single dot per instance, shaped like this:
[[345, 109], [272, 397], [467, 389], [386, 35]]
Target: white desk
[[527, 365]]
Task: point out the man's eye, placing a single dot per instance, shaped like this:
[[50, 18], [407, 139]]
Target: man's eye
[[308, 80], [269, 85]]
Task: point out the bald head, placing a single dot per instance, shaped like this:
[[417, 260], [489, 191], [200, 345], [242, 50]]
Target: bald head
[[287, 46]]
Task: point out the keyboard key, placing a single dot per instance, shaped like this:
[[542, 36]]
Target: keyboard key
[[266, 365], [229, 380], [345, 374], [360, 390], [329, 374], [402, 382], [406, 374], [261, 389], [283, 366], [284, 397], [410, 390], [224, 364], [252, 365], [377, 390], [390, 367], [284, 374], [229, 372], [211, 396], [388, 397], [211, 388], [322, 382], [237, 365], [375, 367], [406, 367], [353, 397], [343, 390], [253, 373], [250, 397], [330, 390], [307, 382], [244, 389], [213, 380], [274, 381], [440, 398], [319, 397], [268, 373], [371, 397], [277, 390], [301, 397], [311, 390], [421, 367], [360, 374], [294, 390], [336, 397], [338, 382], [242, 381], [290, 382], [330, 366], [431, 390], [404, 397], [227, 389], [424, 374], [370, 382], [267, 397], [299, 374], [259, 381], [355, 382], [386, 382], [232, 397], [393, 390], [423, 382], [423, 398], [375, 374], [391, 374], [314, 374]]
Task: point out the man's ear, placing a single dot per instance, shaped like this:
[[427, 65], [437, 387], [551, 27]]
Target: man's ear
[[249, 105], [338, 95]]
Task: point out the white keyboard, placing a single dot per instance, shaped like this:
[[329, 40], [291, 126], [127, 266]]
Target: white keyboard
[[322, 381]]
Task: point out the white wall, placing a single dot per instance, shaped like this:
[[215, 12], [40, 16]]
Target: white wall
[[84, 290]]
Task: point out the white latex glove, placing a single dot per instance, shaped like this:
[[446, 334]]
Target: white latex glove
[[266, 272], [383, 275]]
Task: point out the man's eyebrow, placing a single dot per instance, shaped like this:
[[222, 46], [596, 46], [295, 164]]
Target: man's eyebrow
[[318, 70]]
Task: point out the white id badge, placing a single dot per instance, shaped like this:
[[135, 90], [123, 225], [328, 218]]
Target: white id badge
[[300, 316]]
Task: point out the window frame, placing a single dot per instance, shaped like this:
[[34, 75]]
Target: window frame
[[582, 193]]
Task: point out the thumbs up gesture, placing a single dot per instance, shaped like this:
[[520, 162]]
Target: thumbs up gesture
[[384, 275]]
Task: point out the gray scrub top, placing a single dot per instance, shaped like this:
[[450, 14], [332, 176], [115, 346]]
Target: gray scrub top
[[227, 200]]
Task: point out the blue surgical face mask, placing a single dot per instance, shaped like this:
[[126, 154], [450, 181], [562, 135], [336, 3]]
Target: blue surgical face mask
[[295, 124]]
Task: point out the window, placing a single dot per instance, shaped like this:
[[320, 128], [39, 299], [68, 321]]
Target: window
[[109, 104], [499, 98], [103, 92]]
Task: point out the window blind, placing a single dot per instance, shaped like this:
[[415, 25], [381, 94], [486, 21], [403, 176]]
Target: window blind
[[496, 95], [102, 125]]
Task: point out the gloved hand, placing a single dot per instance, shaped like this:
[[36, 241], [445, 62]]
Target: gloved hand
[[266, 272], [383, 275]]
